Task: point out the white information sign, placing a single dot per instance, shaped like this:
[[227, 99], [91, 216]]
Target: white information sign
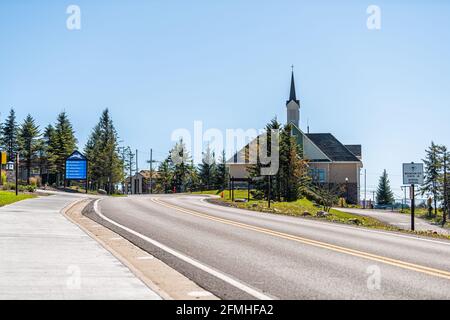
[[413, 173]]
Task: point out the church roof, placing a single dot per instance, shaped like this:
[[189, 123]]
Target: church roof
[[334, 150], [355, 149]]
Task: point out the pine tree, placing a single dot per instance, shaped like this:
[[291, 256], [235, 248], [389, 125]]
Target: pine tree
[[106, 166], [293, 171], [181, 166], [384, 192], [28, 135], [62, 144], [192, 179], [221, 173], [433, 167], [47, 159], [207, 169], [288, 182], [164, 178], [444, 158], [263, 142], [9, 135]]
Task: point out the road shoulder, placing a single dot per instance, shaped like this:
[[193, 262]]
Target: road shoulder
[[164, 280]]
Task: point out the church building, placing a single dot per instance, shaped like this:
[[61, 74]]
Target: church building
[[331, 162]]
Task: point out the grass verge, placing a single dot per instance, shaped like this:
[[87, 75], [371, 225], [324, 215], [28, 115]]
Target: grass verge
[[7, 197], [306, 209], [301, 208]]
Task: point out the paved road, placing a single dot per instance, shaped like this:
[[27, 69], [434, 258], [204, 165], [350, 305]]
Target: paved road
[[45, 256], [242, 254], [399, 220]]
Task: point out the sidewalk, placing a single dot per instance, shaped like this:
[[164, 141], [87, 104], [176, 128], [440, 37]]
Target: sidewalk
[[400, 220], [44, 256]]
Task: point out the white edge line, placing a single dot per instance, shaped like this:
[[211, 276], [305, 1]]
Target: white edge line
[[355, 228], [223, 277]]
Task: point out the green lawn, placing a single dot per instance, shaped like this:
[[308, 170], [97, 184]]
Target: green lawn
[[7, 197], [295, 208]]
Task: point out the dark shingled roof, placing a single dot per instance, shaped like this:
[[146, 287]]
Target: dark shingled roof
[[334, 150], [355, 149]]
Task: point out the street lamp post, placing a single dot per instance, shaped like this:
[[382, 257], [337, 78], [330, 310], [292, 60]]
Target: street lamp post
[[346, 190], [17, 174]]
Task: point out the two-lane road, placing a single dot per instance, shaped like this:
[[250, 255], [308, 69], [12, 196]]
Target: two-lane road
[[243, 254]]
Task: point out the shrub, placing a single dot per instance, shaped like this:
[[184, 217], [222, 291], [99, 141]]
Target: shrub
[[9, 186], [35, 181], [342, 202], [257, 194]]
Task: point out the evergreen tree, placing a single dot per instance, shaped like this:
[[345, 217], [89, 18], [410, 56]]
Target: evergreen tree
[[261, 185], [192, 179], [62, 144], [207, 169], [293, 173], [9, 135], [288, 182], [221, 178], [182, 167], [433, 166], [164, 178], [47, 158], [444, 181], [28, 135], [384, 192], [106, 166]]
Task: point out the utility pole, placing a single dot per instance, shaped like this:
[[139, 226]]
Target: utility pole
[[404, 199], [151, 171], [444, 214], [373, 197], [413, 205], [137, 163], [131, 169], [365, 188]]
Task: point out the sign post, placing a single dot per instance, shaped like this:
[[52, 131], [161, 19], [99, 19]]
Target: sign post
[[76, 168], [2, 162], [412, 175]]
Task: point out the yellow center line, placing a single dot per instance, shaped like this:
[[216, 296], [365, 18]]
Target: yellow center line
[[369, 256]]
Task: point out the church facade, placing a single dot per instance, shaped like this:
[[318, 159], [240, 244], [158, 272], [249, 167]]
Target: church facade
[[331, 163]]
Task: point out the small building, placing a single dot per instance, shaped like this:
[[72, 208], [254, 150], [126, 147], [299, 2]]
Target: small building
[[331, 162], [140, 182]]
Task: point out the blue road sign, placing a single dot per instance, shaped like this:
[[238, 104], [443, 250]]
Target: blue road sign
[[76, 167]]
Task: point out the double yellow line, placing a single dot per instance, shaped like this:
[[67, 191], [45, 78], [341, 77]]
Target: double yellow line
[[361, 254]]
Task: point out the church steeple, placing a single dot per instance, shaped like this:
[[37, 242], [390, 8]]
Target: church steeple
[[292, 95], [293, 105]]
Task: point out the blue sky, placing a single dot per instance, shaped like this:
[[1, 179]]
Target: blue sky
[[161, 65]]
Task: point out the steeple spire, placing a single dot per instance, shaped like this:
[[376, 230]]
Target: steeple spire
[[292, 95]]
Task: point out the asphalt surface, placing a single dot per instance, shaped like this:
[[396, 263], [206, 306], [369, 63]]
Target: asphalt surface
[[239, 254]]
